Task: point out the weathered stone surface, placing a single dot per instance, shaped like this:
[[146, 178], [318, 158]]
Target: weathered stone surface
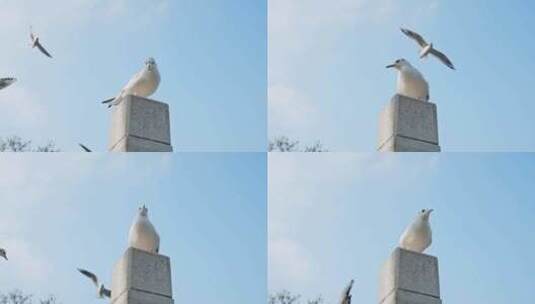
[[405, 297], [408, 125], [142, 277], [409, 277], [140, 125]]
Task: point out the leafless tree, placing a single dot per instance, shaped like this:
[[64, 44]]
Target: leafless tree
[[284, 144], [286, 297], [17, 144], [18, 297]]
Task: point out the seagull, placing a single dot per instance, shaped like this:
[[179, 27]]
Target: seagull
[[86, 149], [3, 253], [142, 234], [143, 84], [34, 42], [102, 291], [427, 48], [418, 236], [6, 82], [411, 82], [346, 294]]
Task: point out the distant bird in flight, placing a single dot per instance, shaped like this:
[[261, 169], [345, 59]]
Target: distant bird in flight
[[346, 294], [34, 42], [144, 83], [411, 82], [427, 48], [418, 235], [6, 82], [102, 292], [86, 149], [3, 253]]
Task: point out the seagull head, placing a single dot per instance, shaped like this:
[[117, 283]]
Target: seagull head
[[400, 63], [150, 63], [143, 211], [425, 213]]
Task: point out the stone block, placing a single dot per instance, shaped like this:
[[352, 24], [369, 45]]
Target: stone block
[[140, 125], [409, 277], [408, 125], [142, 277]]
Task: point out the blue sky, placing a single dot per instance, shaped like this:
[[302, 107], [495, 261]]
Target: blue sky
[[328, 82], [211, 54], [66, 211], [338, 216]]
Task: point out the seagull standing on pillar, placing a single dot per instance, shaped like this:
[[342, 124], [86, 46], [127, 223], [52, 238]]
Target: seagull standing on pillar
[[427, 48], [6, 82], [34, 42], [3, 253], [102, 292], [418, 236], [346, 294], [143, 84], [142, 234], [411, 82]]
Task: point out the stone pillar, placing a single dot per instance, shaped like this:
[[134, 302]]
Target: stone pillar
[[409, 277], [141, 277], [408, 125], [140, 125]]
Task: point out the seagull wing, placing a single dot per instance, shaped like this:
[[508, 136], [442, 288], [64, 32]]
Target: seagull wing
[[415, 36], [442, 58], [90, 275], [42, 49], [106, 292], [6, 82], [86, 149]]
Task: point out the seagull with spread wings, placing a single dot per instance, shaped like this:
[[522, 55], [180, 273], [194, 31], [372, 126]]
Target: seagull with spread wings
[[102, 292], [427, 48], [34, 42]]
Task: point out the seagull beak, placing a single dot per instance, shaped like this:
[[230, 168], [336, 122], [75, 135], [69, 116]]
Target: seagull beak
[[391, 66]]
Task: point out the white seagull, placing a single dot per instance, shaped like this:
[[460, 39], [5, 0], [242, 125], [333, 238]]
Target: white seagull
[[6, 82], [427, 48], [102, 291], [3, 253], [411, 82], [346, 294], [143, 84], [418, 236], [142, 234], [34, 42]]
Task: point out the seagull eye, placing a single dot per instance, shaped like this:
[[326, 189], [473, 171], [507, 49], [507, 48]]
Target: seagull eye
[[423, 210]]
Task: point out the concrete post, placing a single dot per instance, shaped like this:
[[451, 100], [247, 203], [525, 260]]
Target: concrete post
[[140, 125], [408, 125], [409, 277], [141, 277]]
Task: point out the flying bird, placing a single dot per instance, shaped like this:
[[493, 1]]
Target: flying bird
[[417, 236], [346, 294], [102, 292], [86, 149], [34, 42], [6, 82], [3, 253], [411, 82], [142, 234], [427, 48], [144, 83]]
